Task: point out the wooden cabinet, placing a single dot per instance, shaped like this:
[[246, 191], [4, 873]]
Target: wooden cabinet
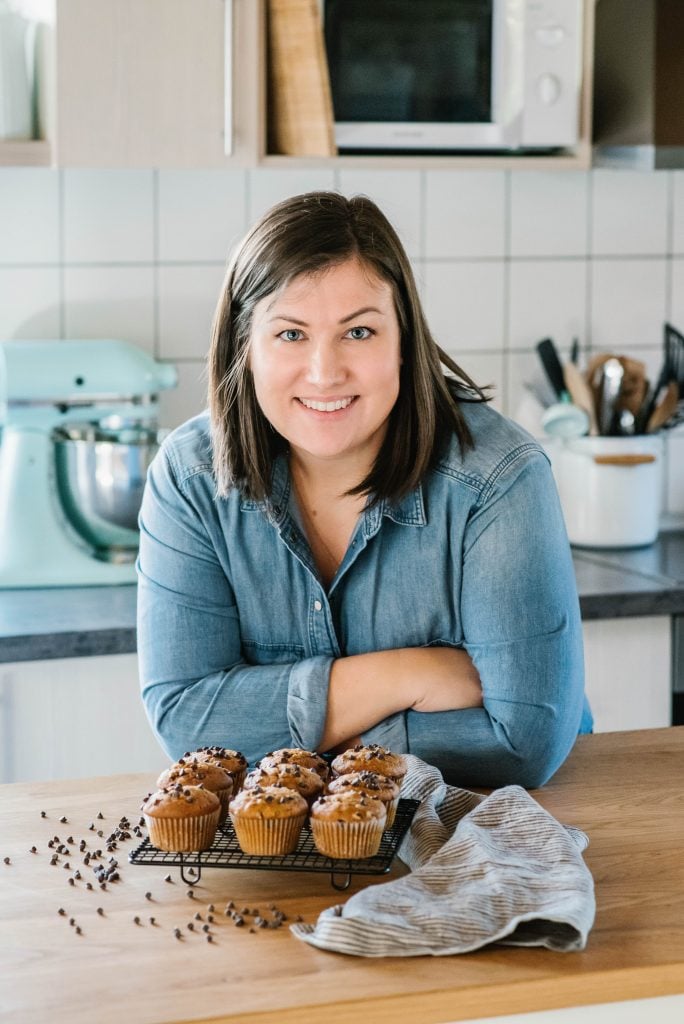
[[73, 718], [154, 83]]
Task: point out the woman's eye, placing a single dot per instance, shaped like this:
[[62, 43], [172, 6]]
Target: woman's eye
[[360, 333], [292, 334]]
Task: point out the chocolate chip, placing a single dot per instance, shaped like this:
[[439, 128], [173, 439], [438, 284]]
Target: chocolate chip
[[100, 911], [239, 921], [72, 921], [191, 894], [136, 920], [177, 933], [61, 911], [191, 926], [205, 927], [70, 839], [6, 860], [167, 878], [210, 918], [78, 930], [210, 938], [148, 895], [100, 815], [71, 881], [43, 814], [33, 850], [64, 819], [210, 908], [153, 920]]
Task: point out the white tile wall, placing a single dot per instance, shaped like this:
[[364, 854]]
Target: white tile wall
[[502, 260]]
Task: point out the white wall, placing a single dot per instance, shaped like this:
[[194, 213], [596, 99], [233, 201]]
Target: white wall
[[503, 259]]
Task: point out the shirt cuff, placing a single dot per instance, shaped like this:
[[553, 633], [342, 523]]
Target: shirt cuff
[[307, 700], [391, 733]]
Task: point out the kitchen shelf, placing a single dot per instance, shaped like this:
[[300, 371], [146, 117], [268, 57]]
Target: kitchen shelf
[[30, 153]]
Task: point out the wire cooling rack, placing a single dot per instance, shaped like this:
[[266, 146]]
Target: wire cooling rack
[[226, 853]]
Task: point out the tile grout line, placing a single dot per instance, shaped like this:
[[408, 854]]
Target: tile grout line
[[156, 317], [61, 243]]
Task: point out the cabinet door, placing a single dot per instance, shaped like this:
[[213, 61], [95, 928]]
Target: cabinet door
[[140, 83], [74, 718], [629, 672]]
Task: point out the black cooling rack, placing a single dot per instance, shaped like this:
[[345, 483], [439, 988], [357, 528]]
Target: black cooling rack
[[226, 853]]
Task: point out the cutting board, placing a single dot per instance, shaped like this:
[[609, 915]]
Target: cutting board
[[300, 112]]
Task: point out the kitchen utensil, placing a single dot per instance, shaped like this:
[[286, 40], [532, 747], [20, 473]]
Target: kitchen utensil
[[68, 485], [548, 353], [100, 478], [609, 390], [575, 351], [665, 409], [580, 392], [610, 489], [565, 420]]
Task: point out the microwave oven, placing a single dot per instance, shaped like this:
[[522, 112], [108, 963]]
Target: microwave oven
[[454, 75]]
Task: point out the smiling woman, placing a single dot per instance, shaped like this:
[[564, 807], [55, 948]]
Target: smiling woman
[[351, 544]]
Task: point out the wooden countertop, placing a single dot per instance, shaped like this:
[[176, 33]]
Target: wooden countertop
[[625, 789]]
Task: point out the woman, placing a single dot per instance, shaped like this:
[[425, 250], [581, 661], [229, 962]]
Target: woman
[[352, 545]]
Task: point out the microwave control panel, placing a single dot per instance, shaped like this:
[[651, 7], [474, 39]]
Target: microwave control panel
[[552, 70]]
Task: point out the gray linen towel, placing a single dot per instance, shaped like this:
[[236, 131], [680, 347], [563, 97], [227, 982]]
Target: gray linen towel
[[484, 869]]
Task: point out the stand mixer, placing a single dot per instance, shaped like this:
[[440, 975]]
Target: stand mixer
[[79, 428]]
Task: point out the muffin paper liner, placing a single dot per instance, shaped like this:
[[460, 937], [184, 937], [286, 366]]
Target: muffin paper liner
[[267, 837], [183, 834], [351, 840], [391, 807]]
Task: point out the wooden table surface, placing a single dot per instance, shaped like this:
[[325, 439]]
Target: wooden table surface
[[625, 789]]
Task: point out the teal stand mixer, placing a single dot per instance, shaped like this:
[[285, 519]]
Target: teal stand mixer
[[79, 426]]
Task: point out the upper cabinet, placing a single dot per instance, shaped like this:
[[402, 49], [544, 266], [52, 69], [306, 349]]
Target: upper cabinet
[[211, 83]]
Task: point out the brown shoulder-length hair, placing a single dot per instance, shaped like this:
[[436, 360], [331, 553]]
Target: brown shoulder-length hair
[[305, 235]]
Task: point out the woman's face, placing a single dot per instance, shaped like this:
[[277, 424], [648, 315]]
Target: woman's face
[[325, 356]]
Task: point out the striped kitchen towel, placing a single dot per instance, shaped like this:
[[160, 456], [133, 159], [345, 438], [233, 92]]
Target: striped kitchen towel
[[484, 869]]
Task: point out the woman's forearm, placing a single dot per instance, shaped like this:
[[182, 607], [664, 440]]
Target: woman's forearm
[[367, 688]]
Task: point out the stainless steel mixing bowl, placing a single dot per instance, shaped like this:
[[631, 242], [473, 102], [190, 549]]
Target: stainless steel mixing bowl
[[100, 476]]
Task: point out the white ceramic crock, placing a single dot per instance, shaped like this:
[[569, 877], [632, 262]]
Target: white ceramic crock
[[610, 489]]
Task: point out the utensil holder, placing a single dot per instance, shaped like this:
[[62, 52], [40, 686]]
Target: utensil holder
[[610, 489]]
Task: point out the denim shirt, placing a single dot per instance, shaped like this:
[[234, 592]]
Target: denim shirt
[[237, 633]]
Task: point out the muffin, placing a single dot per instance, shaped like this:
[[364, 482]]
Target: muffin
[[379, 787], [291, 776], [373, 758], [295, 755], [209, 776], [268, 819], [232, 761], [348, 825], [182, 818]]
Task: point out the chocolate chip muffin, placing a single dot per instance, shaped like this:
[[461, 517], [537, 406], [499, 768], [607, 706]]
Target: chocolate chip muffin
[[372, 758], [347, 825], [182, 818], [197, 773], [232, 761], [292, 776], [379, 787], [268, 819], [295, 755]]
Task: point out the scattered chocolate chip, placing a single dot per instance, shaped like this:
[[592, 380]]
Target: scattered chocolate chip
[[89, 886], [198, 916], [252, 931], [66, 865], [43, 814], [210, 938], [191, 926], [100, 833], [153, 920], [210, 908], [61, 912], [70, 839], [54, 858], [239, 921], [6, 860], [33, 850], [72, 921], [148, 895], [78, 930], [103, 885], [100, 911], [230, 905], [245, 910], [100, 815], [168, 878], [299, 917], [205, 927], [64, 819], [77, 874], [71, 881], [91, 826], [191, 894], [136, 920], [177, 932], [210, 918]]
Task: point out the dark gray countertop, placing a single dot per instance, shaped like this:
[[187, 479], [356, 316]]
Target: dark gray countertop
[[79, 621]]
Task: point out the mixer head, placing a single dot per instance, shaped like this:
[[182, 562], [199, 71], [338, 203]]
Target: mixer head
[[63, 375]]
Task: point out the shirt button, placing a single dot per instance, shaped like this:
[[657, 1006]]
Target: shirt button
[[317, 605]]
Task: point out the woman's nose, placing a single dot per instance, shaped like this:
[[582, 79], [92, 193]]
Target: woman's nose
[[325, 366]]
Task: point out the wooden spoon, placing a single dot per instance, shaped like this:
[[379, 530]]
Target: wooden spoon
[[665, 409], [581, 395]]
